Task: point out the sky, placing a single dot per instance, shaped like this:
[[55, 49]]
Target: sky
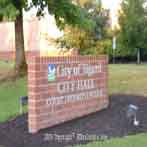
[[113, 5]]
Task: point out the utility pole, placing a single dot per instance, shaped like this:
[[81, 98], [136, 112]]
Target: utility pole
[[138, 55], [114, 48]]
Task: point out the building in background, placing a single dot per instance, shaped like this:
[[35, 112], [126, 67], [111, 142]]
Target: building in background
[[39, 37]]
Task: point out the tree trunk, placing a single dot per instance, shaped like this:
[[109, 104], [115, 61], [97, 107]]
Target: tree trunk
[[20, 60]]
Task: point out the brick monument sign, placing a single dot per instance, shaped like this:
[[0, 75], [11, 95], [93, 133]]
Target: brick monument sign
[[64, 88]]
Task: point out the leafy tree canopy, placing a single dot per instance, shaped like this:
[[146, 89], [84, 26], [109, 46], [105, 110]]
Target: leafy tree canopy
[[87, 40], [133, 24], [65, 11]]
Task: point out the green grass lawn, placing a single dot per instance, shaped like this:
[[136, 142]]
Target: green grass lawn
[[5, 65], [10, 93], [128, 79], [129, 141], [9, 98]]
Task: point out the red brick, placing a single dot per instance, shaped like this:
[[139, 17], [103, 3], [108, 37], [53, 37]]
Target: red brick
[[42, 115]]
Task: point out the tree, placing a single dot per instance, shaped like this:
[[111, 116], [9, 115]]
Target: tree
[[133, 26], [86, 41], [64, 11]]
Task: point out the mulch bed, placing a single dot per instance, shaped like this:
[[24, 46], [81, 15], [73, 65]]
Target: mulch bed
[[111, 122]]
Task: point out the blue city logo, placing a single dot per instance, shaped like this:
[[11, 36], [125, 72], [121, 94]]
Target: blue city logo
[[51, 72]]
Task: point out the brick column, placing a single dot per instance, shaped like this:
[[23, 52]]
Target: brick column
[[33, 93]]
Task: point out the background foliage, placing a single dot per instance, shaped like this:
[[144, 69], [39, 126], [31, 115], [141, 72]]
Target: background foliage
[[90, 42], [133, 29]]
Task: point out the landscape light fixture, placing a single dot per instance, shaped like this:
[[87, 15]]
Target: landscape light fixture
[[23, 100], [132, 114]]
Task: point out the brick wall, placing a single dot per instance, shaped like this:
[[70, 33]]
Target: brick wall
[[64, 88], [7, 55], [10, 55]]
